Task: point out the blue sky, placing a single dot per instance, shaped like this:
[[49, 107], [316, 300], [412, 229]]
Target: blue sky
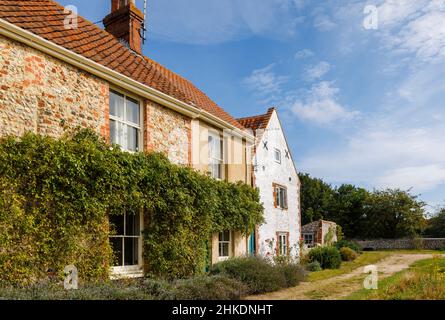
[[361, 106]]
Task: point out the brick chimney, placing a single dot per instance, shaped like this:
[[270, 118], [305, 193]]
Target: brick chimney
[[125, 22]]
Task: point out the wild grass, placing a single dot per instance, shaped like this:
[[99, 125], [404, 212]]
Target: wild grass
[[424, 280], [366, 258]]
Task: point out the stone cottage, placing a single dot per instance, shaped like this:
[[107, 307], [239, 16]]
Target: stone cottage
[[59, 71], [319, 233], [276, 177]]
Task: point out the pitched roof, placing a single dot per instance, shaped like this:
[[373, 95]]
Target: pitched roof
[[257, 122], [310, 227], [45, 18]]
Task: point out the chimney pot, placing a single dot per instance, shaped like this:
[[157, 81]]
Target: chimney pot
[[125, 22]]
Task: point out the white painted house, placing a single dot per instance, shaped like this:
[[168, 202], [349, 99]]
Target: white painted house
[[276, 177]]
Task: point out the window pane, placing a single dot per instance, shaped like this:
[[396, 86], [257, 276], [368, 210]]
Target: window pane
[[224, 249], [131, 251], [132, 227], [132, 139], [116, 105], [215, 148], [224, 236], [117, 223], [116, 245], [133, 111], [116, 133]]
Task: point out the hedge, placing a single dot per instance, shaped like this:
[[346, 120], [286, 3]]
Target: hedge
[[56, 195]]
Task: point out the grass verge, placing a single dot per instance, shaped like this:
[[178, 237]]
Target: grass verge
[[424, 280], [366, 258]]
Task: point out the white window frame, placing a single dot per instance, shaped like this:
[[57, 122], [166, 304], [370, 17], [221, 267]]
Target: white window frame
[[306, 237], [128, 123], [224, 242], [214, 160], [277, 152], [283, 240], [278, 190], [135, 270]]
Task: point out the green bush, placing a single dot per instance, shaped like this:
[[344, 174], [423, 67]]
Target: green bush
[[258, 273], [109, 290], [56, 195], [218, 287], [294, 273], [313, 266], [347, 254], [329, 257], [349, 244]]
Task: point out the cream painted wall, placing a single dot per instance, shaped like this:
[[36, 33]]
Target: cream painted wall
[[236, 169]]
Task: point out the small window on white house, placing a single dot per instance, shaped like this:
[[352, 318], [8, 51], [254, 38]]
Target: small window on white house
[[283, 244], [216, 163], [309, 239], [125, 122], [277, 156], [280, 193], [224, 244], [126, 239]]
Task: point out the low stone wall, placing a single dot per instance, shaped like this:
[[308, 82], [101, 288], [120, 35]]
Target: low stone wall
[[387, 244]]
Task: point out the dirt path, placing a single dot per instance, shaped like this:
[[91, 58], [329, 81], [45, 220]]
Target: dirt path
[[341, 286]]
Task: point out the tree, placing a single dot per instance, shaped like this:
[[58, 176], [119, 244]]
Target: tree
[[316, 199], [393, 214], [349, 210], [436, 225]]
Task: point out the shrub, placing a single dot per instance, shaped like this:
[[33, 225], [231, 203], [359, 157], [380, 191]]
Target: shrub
[[55, 196], [349, 244], [313, 266], [109, 290], [293, 272], [328, 257], [347, 254], [258, 273], [218, 287]]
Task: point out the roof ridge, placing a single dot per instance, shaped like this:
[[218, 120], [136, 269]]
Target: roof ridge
[[88, 37]]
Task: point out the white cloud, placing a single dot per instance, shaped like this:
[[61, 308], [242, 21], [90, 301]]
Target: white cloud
[[384, 157], [419, 178], [414, 27], [264, 81], [321, 106], [302, 54], [322, 21], [213, 22], [317, 71]]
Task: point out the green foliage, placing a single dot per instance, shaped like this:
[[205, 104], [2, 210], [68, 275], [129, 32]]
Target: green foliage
[[348, 210], [348, 244], [294, 273], [363, 214], [313, 266], [108, 290], [56, 195], [436, 225], [394, 214], [316, 198], [218, 287], [260, 274], [347, 254], [329, 257]]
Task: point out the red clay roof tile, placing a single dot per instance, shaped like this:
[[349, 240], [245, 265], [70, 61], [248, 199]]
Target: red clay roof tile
[[45, 18]]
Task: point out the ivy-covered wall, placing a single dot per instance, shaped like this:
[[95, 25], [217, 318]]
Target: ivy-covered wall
[[56, 195]]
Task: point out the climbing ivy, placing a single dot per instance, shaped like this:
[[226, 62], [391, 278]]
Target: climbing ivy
[[56, 195]]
